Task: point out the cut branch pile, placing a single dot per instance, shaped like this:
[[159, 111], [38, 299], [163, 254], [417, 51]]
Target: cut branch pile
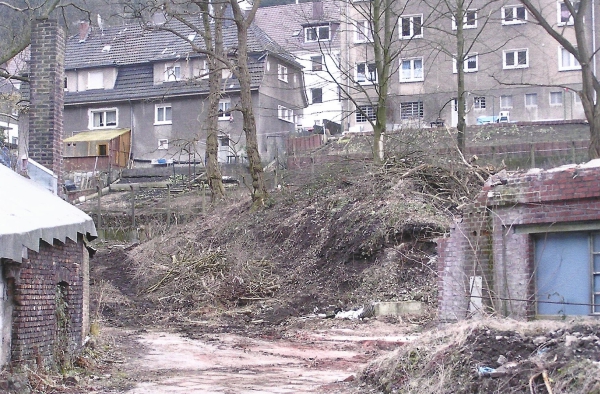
[[209, 276]]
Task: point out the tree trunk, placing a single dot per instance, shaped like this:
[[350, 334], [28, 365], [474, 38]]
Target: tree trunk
[[213, 44], [259, 188], [460, 71]]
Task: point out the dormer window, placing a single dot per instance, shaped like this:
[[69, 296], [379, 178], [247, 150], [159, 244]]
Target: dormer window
[[172, 73], [95, 80], [316, 33]]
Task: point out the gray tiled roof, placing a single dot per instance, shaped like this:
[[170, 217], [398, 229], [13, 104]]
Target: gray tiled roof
[[284, 24], [133, 44], [134, 50], [135, 82]]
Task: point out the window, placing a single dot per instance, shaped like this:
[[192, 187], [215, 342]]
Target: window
[[317, 95], [317, 63], [556, 98], [411, 26], [224, 140], [366, 73], [282, 73], [564, 15], [471, 64], [285, 113], [366, 113], [566, 60], [173, 73], [316, 33], [517, 58], [224, 110], [162, 114], [506, 101], [531, 100], [102, 118], [411, 110], [95, 80], [479, 102], [163, 143], [514, 15], [102, 150], [469, 20], [364, 33], [411, 70]]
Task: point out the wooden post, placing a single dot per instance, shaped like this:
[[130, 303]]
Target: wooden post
[[532, 153], [132, 208], [573, 152], [99, 210], [203, 198], [168, 205]]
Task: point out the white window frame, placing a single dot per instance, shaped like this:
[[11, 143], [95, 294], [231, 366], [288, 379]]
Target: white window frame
[[366, 78], [515, 20], [282, 73], [91, 113], [160, 110], [317, 33], [554, 94], [507, 97], [172, 72], [366, 113], [285, 114], [364, 32], [163, 144], [531, 95], [224, 110], [413, 75], [466, 64], [95, 80], [573, 63], [465, 20], [571, 20], [479, 102], [419, 107], [411, 20], [515, 53]]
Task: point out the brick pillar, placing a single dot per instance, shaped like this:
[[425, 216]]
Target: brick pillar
[[46, 79]]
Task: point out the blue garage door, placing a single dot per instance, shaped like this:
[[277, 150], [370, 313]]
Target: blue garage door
[[564, 275]]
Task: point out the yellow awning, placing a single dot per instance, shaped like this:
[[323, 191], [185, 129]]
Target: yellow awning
[[96, 135]]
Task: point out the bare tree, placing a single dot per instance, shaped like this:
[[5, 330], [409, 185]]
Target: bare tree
[[573, 36], [243, 21]]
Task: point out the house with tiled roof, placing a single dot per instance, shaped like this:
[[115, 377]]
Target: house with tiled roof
[[151, 82], [311, 33]]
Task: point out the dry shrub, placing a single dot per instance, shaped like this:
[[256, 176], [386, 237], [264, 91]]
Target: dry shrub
[[210, 276], [447, 360]]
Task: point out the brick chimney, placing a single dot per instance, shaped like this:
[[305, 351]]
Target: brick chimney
[[46, 76], [84, 30]]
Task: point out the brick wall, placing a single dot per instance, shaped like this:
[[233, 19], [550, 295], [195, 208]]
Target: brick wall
[[34, 319], [46, 78], [485, 240]]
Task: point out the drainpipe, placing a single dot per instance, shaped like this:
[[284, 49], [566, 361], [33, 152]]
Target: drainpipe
[[131, 120], [594, 35]]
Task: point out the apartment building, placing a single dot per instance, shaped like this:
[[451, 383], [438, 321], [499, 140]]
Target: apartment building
[[512, 66], [311, 33]]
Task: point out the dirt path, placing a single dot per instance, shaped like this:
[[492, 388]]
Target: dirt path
[[305, 361]]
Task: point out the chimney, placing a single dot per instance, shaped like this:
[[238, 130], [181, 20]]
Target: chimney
[[84, 30], [46, 76], [317, 10]]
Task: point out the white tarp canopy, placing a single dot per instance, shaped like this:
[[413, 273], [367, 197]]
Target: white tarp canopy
[[29, 213]]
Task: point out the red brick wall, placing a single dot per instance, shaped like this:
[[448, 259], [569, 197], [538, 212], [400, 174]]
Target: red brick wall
[[34, 320], [486, 241]]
